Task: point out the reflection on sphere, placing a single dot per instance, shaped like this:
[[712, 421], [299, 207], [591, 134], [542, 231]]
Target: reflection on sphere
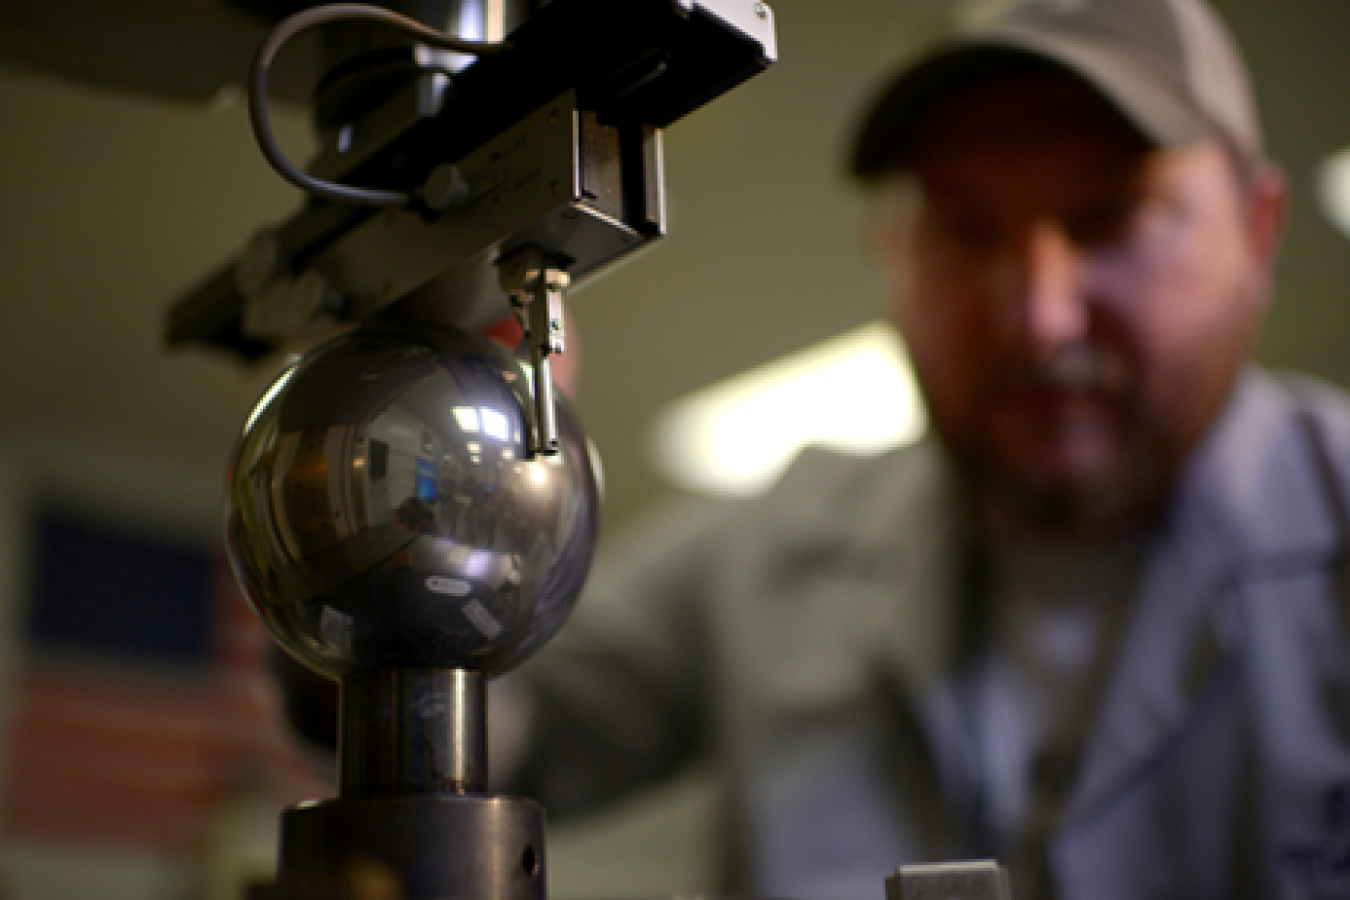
[[383, 511]]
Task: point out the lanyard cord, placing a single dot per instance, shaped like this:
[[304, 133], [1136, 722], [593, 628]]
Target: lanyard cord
[[1053, 767]]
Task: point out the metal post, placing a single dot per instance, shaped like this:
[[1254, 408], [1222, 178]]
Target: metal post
[[413, 810], [413, 731]]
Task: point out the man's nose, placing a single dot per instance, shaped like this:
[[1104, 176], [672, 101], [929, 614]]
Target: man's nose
[[1047, 308]]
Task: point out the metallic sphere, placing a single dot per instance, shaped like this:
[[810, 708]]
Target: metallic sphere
[[383, 511]]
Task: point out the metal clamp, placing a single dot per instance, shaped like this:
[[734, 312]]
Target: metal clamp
[[535, 283]]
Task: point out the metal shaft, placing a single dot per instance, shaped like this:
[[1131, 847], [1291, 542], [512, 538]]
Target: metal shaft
[[477, 20], [413, 731]]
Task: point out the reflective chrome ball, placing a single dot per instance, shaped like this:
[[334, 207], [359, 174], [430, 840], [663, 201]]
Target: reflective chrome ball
[[382, 510]]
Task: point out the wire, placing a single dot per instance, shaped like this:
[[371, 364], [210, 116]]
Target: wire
[[292, 25]]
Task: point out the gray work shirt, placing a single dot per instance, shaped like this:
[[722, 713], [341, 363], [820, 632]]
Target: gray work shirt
[[809, 642]]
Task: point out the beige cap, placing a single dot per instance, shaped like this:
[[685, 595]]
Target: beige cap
[[1169, 66]]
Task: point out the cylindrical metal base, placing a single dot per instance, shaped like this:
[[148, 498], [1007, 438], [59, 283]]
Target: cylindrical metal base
[[417, 848], [413, 731]]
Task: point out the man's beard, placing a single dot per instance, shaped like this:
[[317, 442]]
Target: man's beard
[[1116, 498], [1117, 495]]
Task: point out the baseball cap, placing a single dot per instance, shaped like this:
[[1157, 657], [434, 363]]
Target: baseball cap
[[1170, 67]]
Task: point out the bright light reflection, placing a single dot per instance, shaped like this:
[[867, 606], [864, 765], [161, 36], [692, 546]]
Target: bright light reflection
[[479, 564], [467, 417], [277, 387], [854, 393], [538, 475], [495, 424], [473, 447]]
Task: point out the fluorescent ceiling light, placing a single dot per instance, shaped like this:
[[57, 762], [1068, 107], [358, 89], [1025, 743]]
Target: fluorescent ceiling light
[[467, 416], [853, 393], [1333, 189], [494, 424]]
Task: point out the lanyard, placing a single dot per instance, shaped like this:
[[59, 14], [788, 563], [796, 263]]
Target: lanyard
[[1049, 766]]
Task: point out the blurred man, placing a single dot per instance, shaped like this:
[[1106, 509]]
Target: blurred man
[[1097, 626]]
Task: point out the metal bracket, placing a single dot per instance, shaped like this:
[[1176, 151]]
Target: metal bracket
[[278, 302], [535, 282], [971, 880]]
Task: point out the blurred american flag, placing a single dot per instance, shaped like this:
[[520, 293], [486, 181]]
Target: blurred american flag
[[142, 703]]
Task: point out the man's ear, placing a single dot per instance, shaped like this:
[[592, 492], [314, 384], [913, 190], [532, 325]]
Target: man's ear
[[890, 208], [1267, 206]]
